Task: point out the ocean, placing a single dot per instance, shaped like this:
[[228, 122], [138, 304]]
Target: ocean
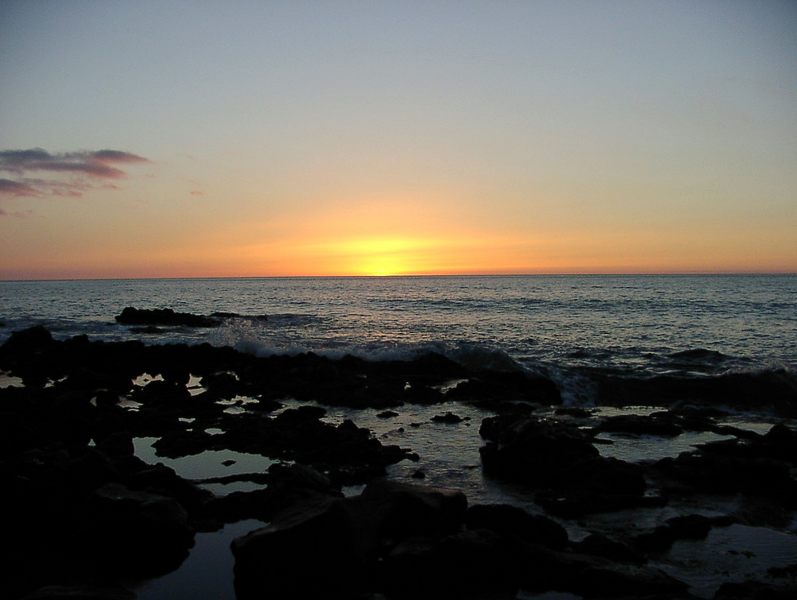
[[573, 329], [560, 326]]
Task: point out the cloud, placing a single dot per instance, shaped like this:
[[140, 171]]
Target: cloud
[[66, 174], [19, 214], [16, 188]]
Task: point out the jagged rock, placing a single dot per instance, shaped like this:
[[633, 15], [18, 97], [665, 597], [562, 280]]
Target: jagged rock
[[80, 592], [470, 564], [401, 510], [626, 581], [531, 450], [310, 550], [599, 545], [448, 417], [163, 316], [659, 423], [134, 531], [512, 521], [339, 541], [755, 590], [489, 389]]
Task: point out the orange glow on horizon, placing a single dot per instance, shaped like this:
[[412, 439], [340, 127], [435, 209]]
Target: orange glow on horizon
[[398, 235]]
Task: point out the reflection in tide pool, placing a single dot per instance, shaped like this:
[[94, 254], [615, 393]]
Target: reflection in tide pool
[[207, 572], [734, 553], [638, 448], [205, 465]]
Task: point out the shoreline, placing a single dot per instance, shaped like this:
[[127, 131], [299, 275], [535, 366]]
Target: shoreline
[[70, 431]]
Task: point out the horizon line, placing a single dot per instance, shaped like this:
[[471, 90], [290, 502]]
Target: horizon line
[[418, 276]]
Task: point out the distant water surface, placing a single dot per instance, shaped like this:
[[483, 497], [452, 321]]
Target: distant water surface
[[649, 324]]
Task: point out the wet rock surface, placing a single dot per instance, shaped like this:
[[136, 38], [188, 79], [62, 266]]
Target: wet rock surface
[[88, 515], [163, 316]]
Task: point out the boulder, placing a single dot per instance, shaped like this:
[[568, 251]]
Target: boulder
[[448, 417], [470, 564], [755, 590], [80, 592], [599, 545], [626, 581], [530, 450], [513, 521], [401, 510], [135, 532], [331, 547], [310, 550], [661, 423]]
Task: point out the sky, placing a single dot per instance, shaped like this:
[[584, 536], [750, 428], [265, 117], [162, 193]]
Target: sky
[[205, 139]]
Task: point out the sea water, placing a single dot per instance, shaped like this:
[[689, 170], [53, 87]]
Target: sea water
[[561, 326], [650, 323]]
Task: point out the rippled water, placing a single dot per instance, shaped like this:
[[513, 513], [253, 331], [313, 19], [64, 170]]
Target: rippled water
[[628, 322]]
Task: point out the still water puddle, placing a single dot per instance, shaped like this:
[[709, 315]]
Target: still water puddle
[[205, 465], [639, 448], [729, 554], [7, 381], [208, 570]]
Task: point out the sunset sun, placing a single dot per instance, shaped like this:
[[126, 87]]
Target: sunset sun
[[382, 256]]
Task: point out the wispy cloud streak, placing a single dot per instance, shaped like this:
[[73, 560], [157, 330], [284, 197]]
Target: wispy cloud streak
[[61, 174]]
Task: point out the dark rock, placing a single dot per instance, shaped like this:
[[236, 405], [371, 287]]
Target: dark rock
[[694, 527], [402, 510], [780, 443], [531, 450], [606, 476], [787, 571], [627, 581], [183, 443], [574, 503], [287, 486], [755, 590], [660, 424], [228, 463], [599, 545], [81, 592], [300, 476], [340, 541], [132, 531], [223, 385], [311, 550], [25, 341], [163, 316], [573, 411], [469, 564], [448, 417], [550, 455], [774, 390], [719, 468], [161, 480], [419, 474], [164, 393], [676, 528], [149, 330], [119, 443], [489, 389], [387, 414], [512, 521], [542, 568]]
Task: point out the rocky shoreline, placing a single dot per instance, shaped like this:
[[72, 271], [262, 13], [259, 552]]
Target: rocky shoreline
[[88, 516]]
